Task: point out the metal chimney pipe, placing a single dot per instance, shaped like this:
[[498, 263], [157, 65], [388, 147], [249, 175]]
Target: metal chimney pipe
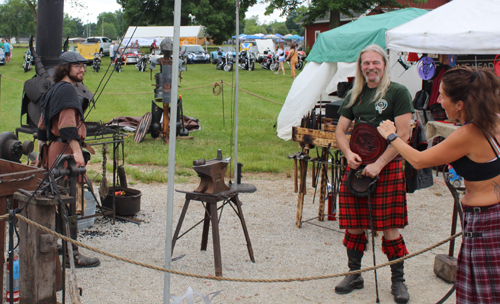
[[49, 30]]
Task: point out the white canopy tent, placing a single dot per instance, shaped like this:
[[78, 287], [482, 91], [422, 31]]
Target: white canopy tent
[[458, 27], [146, 34]]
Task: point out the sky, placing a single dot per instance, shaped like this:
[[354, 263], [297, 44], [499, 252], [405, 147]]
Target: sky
[[95, 7]]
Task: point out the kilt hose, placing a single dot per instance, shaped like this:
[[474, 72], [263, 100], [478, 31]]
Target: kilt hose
[[478, 266], [355, 241], [388, 202], [394, 248]]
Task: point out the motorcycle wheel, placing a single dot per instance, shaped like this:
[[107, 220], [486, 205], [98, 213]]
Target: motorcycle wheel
[[228, 67], [274, 66], [25, 67], [220, 65], [299, 65], [143, 67], [251, 66]]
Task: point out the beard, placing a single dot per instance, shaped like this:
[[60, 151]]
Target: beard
[[365, 74], [76, 78]]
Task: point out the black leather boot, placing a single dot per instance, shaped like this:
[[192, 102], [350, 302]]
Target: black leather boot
[[352, 281], [399, 289]]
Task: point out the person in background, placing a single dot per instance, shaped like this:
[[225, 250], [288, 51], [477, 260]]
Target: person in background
[[136, 44], [281, 58], [112, 52], [372, 99], [61, 128], [153, 47], [472, 97], [293, 56], [2, 41], [7, 48]]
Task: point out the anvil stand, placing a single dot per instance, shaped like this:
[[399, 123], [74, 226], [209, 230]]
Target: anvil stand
[[212, 190]]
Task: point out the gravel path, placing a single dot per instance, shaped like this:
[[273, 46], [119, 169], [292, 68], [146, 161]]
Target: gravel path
[[281, 250]]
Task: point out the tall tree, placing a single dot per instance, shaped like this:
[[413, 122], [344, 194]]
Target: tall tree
[[72, 27], [318, 8], [296, 16], [218, 16], [33, 6], [16, 19], [115, 19], [252, 26]]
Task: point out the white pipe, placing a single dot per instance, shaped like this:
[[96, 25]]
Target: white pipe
[[171, 150]]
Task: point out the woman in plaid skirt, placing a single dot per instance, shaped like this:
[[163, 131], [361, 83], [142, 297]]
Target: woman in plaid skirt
[[472, 97]]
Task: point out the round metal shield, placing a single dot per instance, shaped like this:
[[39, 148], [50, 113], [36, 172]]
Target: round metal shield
[[426, 68], [367, 143]]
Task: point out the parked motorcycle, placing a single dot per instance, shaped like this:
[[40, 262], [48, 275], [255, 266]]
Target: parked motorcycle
[[119, 61], [224, 63], [28, 61], [142, 62], [300, 64], [269, 61], [96, 62], [247, 61]]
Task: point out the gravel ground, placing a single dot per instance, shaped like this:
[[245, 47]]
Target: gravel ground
[[280, 249]]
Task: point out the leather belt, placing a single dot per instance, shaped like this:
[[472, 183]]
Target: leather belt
[[472, 234], [475, 209]]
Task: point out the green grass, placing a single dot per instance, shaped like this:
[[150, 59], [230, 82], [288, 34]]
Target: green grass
[[259, 149]]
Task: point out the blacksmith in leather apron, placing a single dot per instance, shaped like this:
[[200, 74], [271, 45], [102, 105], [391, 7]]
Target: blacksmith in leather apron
[[373, 99]]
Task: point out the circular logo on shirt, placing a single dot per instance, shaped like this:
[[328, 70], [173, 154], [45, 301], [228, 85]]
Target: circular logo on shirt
[[381, 105]]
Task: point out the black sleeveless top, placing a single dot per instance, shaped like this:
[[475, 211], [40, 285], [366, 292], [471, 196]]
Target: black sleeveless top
[[474, 172]]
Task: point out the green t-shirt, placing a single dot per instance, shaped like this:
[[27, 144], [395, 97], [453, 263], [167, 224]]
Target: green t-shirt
[[1, 45], [397, 101]]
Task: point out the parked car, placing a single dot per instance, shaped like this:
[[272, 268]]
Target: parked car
[[194, 54], [2, 57], [104, 44], [214, 56], [132, 54]]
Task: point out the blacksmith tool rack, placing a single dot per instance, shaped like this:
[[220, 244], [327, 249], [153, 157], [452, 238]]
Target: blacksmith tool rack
[[212, 190], [308, 139], [101, 135]]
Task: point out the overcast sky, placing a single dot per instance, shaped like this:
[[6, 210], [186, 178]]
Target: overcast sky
[[95, 7]]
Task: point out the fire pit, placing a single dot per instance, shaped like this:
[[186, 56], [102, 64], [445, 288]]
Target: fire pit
[[127, 200]]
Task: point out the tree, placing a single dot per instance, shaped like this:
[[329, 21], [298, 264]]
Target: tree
[[278, 28], [33, 6], [218, 16], [115, 21], [318, 8], [72, 27], [16, 19], [293, 18], [252, 26]]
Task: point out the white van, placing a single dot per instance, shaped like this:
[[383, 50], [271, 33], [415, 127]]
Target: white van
[[104, 44]]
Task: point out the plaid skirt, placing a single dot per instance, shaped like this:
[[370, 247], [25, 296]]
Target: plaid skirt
[[388, 202], [478, 266]]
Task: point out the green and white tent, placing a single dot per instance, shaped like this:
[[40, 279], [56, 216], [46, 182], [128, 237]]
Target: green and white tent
[[332, 59], [343, 44]]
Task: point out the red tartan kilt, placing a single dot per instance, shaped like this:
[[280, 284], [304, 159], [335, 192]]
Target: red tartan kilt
[[388, 202]]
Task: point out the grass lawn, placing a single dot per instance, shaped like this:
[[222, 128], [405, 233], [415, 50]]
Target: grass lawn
[[259, 149]]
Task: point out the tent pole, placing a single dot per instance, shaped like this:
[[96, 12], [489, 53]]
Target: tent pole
[[235, 65], [171, 150]]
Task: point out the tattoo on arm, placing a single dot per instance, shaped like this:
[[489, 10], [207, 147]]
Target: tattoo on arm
[[496, 189]]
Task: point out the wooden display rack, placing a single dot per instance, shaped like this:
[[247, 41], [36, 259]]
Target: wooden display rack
[[307, 138]]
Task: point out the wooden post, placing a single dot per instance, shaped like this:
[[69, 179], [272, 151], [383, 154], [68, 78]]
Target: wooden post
[[166, 121], [38, 250], [302, 191], [295, 184], [322, 195]]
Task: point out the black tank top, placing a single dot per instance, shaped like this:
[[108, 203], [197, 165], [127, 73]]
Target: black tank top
[[474, 172]]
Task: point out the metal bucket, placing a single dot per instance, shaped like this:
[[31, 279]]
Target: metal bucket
[[128, 204], [89, 210]]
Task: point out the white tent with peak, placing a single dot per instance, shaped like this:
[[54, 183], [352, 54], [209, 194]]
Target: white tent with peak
[[458, 27]]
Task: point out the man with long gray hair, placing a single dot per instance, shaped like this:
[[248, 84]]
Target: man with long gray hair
[[373, 99]]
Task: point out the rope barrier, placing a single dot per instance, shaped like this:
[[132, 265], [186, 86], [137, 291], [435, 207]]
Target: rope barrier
[[13, 78], [245, 91], [296, 279]]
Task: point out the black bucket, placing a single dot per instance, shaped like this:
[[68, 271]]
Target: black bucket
[[128, 204]]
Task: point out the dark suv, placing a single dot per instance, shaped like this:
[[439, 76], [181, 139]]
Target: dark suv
[[194, 54]]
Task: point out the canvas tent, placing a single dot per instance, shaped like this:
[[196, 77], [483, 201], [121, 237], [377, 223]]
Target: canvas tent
[[146, 34], [332, 60], [458, 27]]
